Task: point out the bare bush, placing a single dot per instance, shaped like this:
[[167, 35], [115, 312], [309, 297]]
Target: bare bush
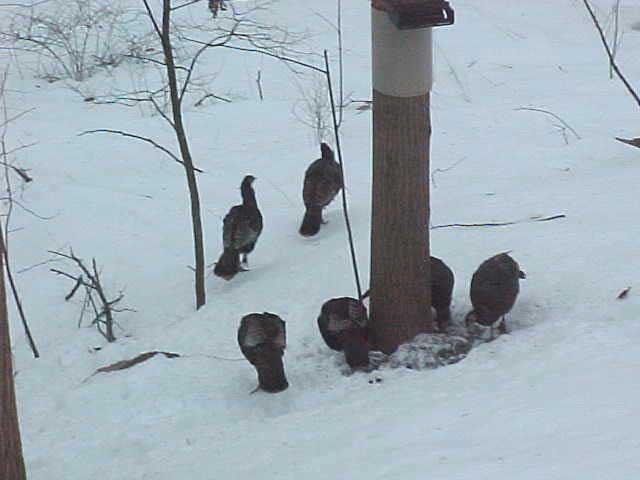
[[75, 39], [314, 110], [95, 299]]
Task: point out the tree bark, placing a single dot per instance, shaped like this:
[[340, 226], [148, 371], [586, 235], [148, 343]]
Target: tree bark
[[11, 460], [400, 270], [176, 108], [400, 293]]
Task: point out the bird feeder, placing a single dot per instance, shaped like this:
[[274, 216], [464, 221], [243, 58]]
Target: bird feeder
[[412, 14]]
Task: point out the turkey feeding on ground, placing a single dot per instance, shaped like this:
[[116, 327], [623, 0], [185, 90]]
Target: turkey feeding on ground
[[343, 326], [322, 182], [494, 288], [442, 281], [241, 228], [262, 339]]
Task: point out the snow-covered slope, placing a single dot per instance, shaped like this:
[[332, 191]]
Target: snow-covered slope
[[555, 399]]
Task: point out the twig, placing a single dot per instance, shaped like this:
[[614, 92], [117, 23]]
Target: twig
[[8, 120], [541, 110], [259, 82], [612, 60], [73, 291], [344, 195], [31, 267], [279, 57], [22, 173], [340, 62], [4, 242], [138, 137], [634, 142], [444, 170], [124, 364], [454, 73], [16, 296], [500, 224], [615, 12], [211, 95], [24, 5], [90, 280], [624, 293], [33, 212]]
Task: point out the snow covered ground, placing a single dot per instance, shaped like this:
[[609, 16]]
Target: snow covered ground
[[555, 399]]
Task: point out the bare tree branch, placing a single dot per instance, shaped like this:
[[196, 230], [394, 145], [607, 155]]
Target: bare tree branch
[[4, 241], [152, 18], [274, 55], [138, 137], [612, 60]]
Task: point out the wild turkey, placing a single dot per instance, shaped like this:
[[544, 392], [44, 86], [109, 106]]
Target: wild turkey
[[494, 288], [442, 281], [262, 338], [240, 232], [343, 326], [322, 182], [215, 5]]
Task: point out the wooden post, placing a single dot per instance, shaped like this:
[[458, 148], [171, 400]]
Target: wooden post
[[11, 460], [400, 273]]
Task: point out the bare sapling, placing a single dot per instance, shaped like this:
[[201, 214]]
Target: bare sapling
[[96, 301]]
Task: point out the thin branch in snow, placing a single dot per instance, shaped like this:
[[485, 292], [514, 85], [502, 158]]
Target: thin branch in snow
[[541, 110], [500, 224], [624, 293]]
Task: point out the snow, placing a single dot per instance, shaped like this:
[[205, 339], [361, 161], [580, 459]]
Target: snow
[[554, 399]]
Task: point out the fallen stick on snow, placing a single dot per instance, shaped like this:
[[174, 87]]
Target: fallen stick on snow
[[634, 142], [624, 293], [501, 224], [124, 364], [143, 357]]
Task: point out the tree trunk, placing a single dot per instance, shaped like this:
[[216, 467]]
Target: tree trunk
[[176, 107], [11, 460], [400, 272]]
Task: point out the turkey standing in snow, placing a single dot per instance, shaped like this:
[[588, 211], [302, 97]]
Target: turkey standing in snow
[[215, 5], [262, 338], [322, 182], [442, 281], [343, 326], [241, 229], [494, 289]]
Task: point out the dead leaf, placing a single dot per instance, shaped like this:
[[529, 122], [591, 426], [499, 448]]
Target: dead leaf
[[634, 142], [623, 294]]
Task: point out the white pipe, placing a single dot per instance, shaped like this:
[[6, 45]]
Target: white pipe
[[402, 59]]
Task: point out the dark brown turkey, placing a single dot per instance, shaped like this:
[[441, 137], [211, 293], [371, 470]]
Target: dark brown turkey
[[343, 324], [215, 5], [494, 288], [241, 229], [262, 339], [322, 182], [442, 281]]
